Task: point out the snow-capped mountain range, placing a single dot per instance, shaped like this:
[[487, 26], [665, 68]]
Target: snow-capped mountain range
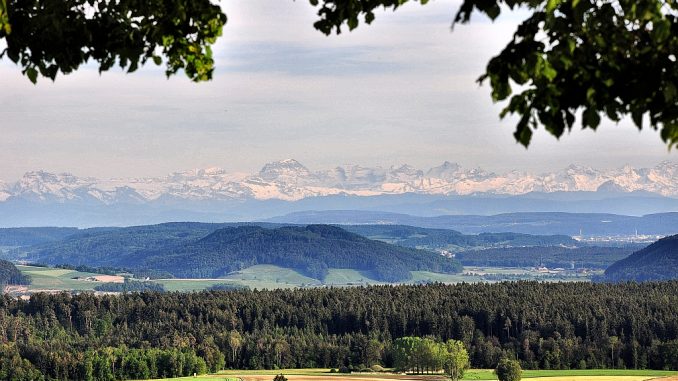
[[289, 180]]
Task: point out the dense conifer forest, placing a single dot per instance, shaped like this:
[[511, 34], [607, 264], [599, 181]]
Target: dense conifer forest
[[139, 335]]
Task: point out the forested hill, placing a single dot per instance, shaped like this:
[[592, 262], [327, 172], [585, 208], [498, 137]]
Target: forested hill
[[33, 236], [9, 274], [112, 246], [411, 236], [212, 250], [312, 250], [658, 261]]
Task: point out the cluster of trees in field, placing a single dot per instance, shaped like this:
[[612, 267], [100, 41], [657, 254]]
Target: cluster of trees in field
[[550, 256], [119, 363], [9, 274], [130, 286], [419, 355], [227, 287], [543, 325]]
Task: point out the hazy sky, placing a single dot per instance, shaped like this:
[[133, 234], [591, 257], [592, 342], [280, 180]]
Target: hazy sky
[[400, 91]]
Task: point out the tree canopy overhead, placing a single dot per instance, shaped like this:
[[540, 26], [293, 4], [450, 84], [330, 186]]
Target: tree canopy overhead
[[569, 59], [45, 37]]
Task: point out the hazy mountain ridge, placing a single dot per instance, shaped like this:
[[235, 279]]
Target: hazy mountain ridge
[[289, 180], [215, 195], [542, 223]]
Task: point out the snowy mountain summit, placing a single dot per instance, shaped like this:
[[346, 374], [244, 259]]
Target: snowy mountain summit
[[290, 180]]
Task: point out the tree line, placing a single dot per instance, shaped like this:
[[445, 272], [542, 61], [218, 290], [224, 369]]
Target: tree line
[[592, 257], [543, 325]]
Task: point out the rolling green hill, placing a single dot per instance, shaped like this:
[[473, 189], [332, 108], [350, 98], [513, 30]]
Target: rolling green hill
[[658, 261], [193, 250], [312, 250]]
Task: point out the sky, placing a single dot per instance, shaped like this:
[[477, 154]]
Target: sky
[[402, 90]]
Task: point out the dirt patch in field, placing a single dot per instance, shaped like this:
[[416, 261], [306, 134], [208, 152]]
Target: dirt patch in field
[[15, 289], [109, 278], [102, 278], [591, 378]]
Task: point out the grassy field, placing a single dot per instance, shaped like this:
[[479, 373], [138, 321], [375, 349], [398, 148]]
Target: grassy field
[[259, 277], [347, 277], [473, 374], [427, 276], [588, 374], [43, 278], [268, 277], [188, 285]]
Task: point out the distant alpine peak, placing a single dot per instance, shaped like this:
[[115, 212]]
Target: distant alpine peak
[[48, 177], [286, 164], [287, 168], [211, 171], [290, 180]]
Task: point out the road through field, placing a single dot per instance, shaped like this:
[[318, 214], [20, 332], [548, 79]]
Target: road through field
[[338, 377], [471, 375], [592, 378]]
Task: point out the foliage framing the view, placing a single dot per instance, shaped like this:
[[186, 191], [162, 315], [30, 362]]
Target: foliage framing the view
[[598, 57], [588, 57], [46, 37]]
